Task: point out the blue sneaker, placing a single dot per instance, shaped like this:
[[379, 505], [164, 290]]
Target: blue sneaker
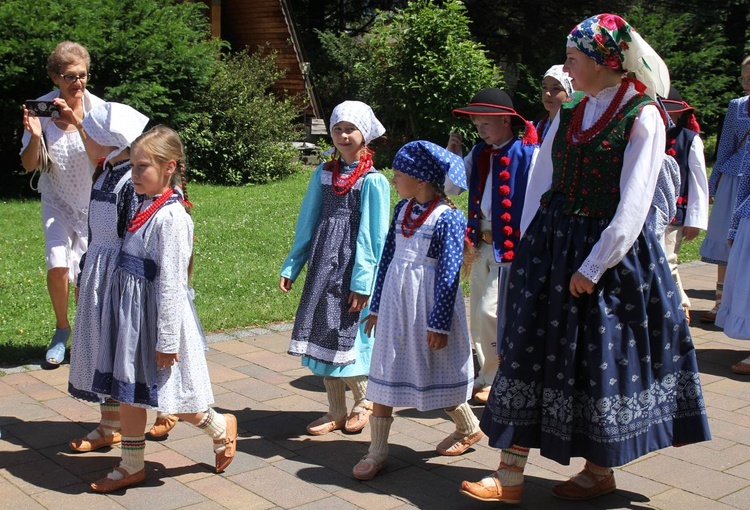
[[56, 350]]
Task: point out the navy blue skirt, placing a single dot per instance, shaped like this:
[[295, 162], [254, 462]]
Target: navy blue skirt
[[608, 376]]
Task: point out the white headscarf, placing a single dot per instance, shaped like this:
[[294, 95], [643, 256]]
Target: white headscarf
[[557, 73], [362, 116], [114, 125]]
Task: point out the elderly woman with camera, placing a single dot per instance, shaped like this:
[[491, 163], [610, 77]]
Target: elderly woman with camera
[[55, 144]]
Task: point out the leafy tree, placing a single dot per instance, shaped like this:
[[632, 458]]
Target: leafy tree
[[154, 55], [414, 66], [243, 133]]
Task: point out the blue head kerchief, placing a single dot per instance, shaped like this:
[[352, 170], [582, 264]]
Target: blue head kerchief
[[428, 162]]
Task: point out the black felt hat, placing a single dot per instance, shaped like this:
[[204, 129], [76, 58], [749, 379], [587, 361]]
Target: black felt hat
[[675, 104], [491, 102]]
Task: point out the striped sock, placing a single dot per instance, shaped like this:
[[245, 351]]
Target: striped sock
[[214, 425], [512, 463], [133, 454], [110, 420]]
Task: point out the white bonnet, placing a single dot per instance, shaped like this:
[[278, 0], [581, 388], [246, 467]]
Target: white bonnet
[[114, 125], [361, 115], [557, 73]]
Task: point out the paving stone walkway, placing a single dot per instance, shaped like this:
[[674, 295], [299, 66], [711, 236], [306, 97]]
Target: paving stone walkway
[[279, 466]]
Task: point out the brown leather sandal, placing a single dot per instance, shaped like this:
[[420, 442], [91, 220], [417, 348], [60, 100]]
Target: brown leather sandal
[[85, 444], [572, 490], [107, 484], [496, 491], [226, 456]]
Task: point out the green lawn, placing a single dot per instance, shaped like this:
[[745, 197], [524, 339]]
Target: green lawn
[[242, 237]]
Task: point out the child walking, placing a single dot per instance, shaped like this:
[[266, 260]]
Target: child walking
[[497, 171], [340, 233], [685, 145], [422, 355], [732, 161], [734, 313], [152, 351], [113, 126]]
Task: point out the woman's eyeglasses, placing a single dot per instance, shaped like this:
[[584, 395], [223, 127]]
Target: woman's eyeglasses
[[72, 78]]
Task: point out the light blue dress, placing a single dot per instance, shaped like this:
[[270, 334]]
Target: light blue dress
[[732, 160], [342, 238]]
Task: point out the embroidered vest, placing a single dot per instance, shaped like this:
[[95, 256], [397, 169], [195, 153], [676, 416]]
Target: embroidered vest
[[588, 175], [510, 170], [679, 141]]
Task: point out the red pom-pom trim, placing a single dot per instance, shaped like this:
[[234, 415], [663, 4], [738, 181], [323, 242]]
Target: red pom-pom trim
[[507, 230], [671, 152], [506, 203], [508, 256], [505, 217], [508, 245], [504, 175], [505, 161], [504, 190]]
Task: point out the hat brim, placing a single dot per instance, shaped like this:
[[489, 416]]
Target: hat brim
[[490, 111], [676, 106]]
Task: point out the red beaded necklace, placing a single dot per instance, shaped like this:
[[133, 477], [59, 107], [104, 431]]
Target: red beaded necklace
[[409, 226], [576, 135], [342, 185], [143, 216]]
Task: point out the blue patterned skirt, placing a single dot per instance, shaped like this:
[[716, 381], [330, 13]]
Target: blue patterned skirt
[[608, 376]]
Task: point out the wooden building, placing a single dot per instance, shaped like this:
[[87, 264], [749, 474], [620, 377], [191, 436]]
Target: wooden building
[[269, 23]]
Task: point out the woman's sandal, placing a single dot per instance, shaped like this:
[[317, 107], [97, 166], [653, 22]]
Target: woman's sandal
[[572, 490], [56, 350], [226, 456], [367, 468], [107, 484], [85, 444], [496, 491], [324, 425]]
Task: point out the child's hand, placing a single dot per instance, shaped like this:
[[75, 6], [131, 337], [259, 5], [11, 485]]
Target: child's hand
[[437, 341], [166, 360], [285, 284], [690, 233], [454, 143], [580, 284], [370, 322], [357, 302]]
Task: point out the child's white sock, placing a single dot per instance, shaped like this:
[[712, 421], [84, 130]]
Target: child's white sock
[[336, 391], [358, 385], [162, 415], [110, 421], [133, 454], [380, 429], [214, 425], [465, 420]]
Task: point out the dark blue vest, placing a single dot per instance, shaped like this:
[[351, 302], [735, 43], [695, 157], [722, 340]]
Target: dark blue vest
[[680, 140], [510, 170]]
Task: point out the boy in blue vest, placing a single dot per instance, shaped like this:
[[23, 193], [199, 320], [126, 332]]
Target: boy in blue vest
[[686, 147], [497, 170]]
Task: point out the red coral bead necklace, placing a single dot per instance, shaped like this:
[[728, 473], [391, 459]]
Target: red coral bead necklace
[[410, 225], [143, 216], [576, 135]]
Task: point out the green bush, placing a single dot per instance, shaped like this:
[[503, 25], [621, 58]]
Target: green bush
[[413, 67], [154, 55], [243, 134]]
